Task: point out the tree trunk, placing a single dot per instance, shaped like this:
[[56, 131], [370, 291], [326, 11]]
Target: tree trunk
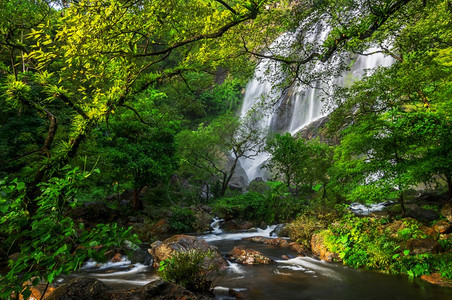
[[449, 186], [402, 203], [137, 204], [227, 178]]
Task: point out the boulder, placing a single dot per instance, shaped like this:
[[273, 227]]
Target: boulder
[[301, 249], [419, 213], [246, 225], [446, 211], [319, 249], [442, 227], [436, 278], [85, 288], [420, 246], [280, 242], [245, 256], [182, 243], [231, 225], [280, 230], [157, 290], [140, 256]]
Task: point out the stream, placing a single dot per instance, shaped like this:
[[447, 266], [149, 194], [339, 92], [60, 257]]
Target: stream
[[296, 278]]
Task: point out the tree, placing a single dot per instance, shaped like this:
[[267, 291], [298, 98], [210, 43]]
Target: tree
[[299, 162], [140, 150], [212, 152], [398, 118], [95, 56]]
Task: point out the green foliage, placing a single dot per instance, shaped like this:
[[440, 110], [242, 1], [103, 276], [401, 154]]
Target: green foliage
[[275, 205], [366, 243], [210, 154], [398, 118], [299, 162], [310, 220], [49, 243], [188, 268], [182, 219]]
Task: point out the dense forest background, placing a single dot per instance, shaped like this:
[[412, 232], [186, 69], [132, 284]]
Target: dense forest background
[[130, 107]]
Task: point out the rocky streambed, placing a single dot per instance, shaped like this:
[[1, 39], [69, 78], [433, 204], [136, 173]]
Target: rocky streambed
[[255, 265]]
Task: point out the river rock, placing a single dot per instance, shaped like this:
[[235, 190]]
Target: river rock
[[301, 249], [436, 278], [85, 288], [182, 243], [230, 225], [446, 211], [319, 249], [442, 227], [420, 246], [140, 256], [157, 290], [81, 288], [280, 230], [419, 213], [245, 256], [280, 242]]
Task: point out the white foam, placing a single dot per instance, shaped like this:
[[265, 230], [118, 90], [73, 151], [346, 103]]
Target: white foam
[[238, 235], [235, 268], [91, 264], [310, 265], [137, 268], [365, 209]]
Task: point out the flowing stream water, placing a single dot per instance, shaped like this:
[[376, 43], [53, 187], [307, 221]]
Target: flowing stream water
[[295, 278]]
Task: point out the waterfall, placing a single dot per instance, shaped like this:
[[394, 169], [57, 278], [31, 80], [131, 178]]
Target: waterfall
[[300, 104]]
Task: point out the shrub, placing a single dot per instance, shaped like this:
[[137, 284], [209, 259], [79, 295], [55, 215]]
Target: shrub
[[275, 205], [182, 219], [364, 243], [189, 269]]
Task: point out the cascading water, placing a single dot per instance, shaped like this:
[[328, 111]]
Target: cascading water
[[300, 105]]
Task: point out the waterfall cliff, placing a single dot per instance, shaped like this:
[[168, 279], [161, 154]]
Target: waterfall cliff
[[293, 108]]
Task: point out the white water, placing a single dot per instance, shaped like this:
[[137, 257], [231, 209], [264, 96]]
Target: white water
[[219, 235], [123, 273], [365, 209], [300, 105]]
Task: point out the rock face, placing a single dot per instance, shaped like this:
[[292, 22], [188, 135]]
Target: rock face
[[182, 243], [446, 211], [81, 288], [442, 227], [423, 246], [319, 249], [245, 256], [236, 225], [85, 288], [419, 213]]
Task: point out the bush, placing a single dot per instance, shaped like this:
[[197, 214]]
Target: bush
[[365, 243], [313, 219], [189, 270], [182, 219], [275, 205]]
